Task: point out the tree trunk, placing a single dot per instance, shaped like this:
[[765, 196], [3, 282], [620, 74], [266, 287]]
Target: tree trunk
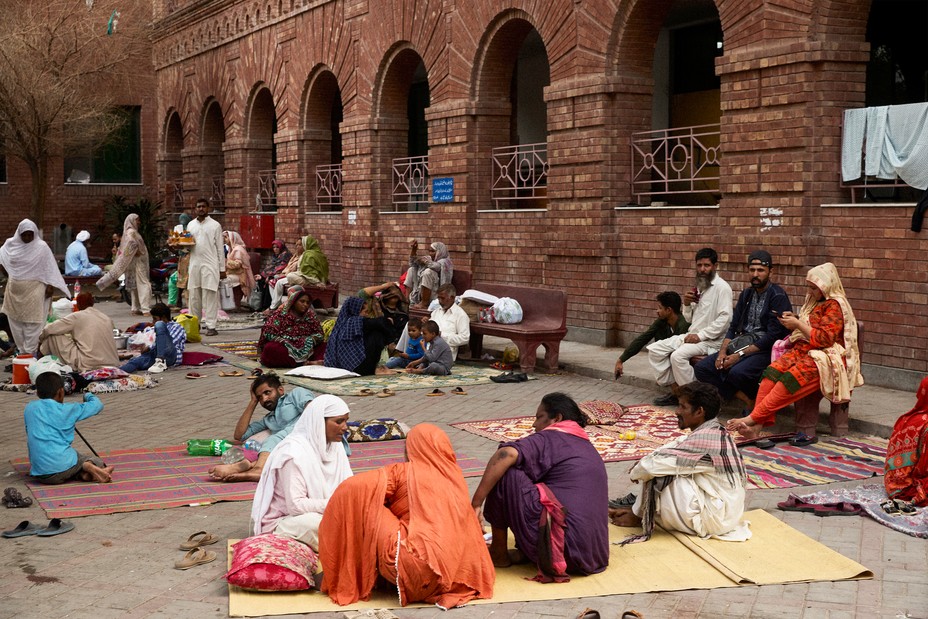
[[39, 171]]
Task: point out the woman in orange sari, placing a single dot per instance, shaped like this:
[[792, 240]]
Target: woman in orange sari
[[410, 523], [906, 475], [823, 355]]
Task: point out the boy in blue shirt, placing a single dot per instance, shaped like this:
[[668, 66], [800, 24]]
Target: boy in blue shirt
[[438, 357], [414, 350], [50, 432]]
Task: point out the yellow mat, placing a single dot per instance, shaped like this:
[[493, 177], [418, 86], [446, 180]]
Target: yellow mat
[[776, 554]]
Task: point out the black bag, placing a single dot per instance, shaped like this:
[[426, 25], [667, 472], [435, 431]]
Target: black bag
[[741, 342]]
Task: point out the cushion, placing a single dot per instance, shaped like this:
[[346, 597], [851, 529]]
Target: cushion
[[272, 563], [382, 429], [319, 372], [602, 412], [105, 373]]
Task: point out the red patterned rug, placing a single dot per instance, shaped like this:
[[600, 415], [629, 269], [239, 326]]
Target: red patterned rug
[[167, 477], [653, 427]]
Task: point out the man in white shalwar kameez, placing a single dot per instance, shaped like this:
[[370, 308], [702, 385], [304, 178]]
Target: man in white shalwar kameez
[[207, 267], [695, 483], [33, 278]]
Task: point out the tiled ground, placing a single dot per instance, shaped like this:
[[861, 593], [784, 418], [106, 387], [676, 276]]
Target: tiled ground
[[121, 565]]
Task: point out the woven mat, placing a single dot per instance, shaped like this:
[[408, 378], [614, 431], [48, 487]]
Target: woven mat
[[653, 427], [775, 554], [166, 477], [245, 348], [829, 460]]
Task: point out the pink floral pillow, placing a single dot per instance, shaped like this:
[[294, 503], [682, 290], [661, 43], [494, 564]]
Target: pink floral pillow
[[272, 563], [602, 412], [104, 373]]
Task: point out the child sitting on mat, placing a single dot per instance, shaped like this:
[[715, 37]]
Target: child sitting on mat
[[50, 432], [438, 357], [414, 350]]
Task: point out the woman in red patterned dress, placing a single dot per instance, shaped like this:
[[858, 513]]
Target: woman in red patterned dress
[[906, 475], [823, 354]]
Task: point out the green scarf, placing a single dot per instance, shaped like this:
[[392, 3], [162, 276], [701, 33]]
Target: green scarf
[[313, 262]]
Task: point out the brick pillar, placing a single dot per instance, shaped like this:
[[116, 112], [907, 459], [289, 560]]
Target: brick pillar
[[360, 191]]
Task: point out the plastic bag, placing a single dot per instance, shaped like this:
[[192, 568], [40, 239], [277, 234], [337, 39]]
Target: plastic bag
[[142, 340], [61, 308], [172, 289], [191, 325], [507, 311], [48, 363], [511, 354], [226, 297]]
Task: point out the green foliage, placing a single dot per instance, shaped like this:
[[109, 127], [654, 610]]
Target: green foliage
[[152, 220]]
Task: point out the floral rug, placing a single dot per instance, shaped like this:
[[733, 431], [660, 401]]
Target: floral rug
[[653, 427], [869, 497]]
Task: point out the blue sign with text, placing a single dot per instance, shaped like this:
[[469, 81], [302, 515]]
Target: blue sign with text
[[443, 189]]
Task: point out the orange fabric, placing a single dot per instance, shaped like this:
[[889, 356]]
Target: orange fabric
[[772, 396], [442, 557]]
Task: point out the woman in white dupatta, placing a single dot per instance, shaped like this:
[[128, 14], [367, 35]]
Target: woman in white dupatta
[[302, 472], [33, 277]]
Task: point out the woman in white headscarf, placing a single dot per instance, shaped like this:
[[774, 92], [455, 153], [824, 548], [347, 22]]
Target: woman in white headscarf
[[302, 472], [33, 277], [131, 259], [427, 274]]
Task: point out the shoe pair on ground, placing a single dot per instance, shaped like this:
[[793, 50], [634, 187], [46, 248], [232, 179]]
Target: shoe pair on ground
[[841, 508], [896, 507], [434, 393], [510, 377], [195, 553], [56, 526]]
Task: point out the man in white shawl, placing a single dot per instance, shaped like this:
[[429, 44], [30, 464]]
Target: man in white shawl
[[76, 262], [302, 472], [207, 267], [33, 278]]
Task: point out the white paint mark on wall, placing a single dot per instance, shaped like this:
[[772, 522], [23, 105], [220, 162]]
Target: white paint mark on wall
[[770, 218]]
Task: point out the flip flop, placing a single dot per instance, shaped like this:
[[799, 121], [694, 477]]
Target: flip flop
[[23, 529], [435, 393], [458, 391], [764, 443], [905, 507], [386, 393], [194, 557], [842, 508], [232, 373], [198, 539], [793, 504], [803, 440], [363, 393], [194, 375], [889, 506], [255, 373], [56, 526]]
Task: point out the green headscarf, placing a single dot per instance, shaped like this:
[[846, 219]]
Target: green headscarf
[[313, 262]]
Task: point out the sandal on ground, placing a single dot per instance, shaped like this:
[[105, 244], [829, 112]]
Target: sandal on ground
[[255, 373], [626, 501], [793, 504], [889, 506], [842, 508], [499, 365], [194, 375], [198, 539], [194, 557], [458, 391], [386, 393], [764, 443], [56, 526], [803, 440], [232, 373], [364, 392], [905, 507], [435, 393], [23, 529]]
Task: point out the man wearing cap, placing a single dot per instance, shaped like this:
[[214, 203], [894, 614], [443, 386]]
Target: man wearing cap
[[76, 262], [745, 351]]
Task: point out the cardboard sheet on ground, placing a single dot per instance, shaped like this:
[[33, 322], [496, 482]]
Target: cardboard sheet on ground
[[776, 554]]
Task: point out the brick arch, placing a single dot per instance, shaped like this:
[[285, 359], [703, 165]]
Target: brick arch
[[260, 112], [212, 124], [394, 76], [634, 34], [172, 132], [495, 60], [319, 94]]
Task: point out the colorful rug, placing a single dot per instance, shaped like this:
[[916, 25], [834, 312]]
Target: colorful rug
[[166, 477], [653, 427], [775, 554], [240, 321], [246, 348], [829, 460], [869, 497]]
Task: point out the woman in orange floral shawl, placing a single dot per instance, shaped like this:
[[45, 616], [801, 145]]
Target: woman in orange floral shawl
[[823, 353], [410, 523], [907, 453]]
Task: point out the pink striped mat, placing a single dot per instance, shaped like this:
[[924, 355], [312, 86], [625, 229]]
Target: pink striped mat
[[166, 477]]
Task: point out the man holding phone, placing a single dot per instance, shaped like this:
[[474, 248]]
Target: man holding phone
[[735, 370]]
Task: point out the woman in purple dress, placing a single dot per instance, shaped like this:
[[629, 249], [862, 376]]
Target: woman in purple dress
[[550, 488]]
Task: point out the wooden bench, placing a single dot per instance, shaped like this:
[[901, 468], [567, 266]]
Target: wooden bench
[[85, 282]]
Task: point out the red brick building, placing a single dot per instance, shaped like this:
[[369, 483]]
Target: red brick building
[[594, 145]]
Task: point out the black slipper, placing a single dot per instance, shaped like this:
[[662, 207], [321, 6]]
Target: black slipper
[[803, 440], [764, 443]]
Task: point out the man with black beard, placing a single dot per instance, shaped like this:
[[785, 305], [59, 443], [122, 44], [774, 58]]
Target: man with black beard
[[708, 309], [284, 411], [745, 351]]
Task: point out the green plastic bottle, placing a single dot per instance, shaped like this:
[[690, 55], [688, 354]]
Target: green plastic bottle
[[207, 446]]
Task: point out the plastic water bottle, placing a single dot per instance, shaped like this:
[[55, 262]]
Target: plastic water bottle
[[232, 455], [77, 288], [251, 447], [207, 446]]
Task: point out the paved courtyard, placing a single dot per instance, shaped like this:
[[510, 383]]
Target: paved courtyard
[[121, 565]]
